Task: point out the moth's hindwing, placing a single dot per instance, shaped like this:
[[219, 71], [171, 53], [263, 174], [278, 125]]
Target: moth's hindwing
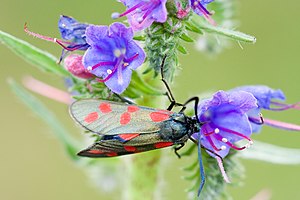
[[110, 118], [115, 147]]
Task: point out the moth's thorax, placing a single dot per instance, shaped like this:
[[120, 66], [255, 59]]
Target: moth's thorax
[[177, 128]]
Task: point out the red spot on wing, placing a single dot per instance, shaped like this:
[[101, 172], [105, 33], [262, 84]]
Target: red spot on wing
[[111, 154], [125, 118], [105, 108], [163, 144], [132, 108], [91, 117], [159, 116], [130, 148], [95, 151], [128, 136]]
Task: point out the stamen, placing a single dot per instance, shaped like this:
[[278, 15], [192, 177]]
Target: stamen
[[235, 133], [109, 71], [205, 12], [224, 140], [212, 144], [218, 137], [115, 15], [43, 37], [235, 147], [131, 58], [149, 10], [117, 67], [71, 47], [283, 106], [100, 64], [132, 9], [282, 125]]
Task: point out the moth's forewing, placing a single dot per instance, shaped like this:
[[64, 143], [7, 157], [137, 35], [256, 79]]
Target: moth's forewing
[[110, 118]]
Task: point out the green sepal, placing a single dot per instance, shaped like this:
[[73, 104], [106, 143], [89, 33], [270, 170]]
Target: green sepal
[[186, 38], [182, 49], [35, 56]]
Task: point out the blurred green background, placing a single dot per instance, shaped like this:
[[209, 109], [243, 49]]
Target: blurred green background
[[33, 165]]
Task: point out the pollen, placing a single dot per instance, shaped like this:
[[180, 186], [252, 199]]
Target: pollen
[[109, 71], [217, 130], [115, 15], [140, 19], [125, 64], [224, 140], [89, 68], [223, 147]]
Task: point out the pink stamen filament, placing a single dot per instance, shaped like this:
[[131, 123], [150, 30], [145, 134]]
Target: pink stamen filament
[[142, 6], [76, 46], [235, 133], [282, 125], [131, 58], [43, 37], [102, 64], [118, 66], [149, 10], [218, 137], [208, 133], [212, 143], [202, 9], [132, 9], [283, 106], [205, 13]]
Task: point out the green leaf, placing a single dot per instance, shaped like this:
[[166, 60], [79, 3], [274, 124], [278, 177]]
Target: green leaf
[[182, 49], [69, 143], [186, 38], [32, 54], [235, 35], [271, 153]]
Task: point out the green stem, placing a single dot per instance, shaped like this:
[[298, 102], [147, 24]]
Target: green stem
[[143, 170]]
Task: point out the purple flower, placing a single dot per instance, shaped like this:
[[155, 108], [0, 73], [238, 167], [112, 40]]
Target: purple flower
[[112, 55], [199, 7], [72, 32], [141, 14], [267, 99], [225, 121]]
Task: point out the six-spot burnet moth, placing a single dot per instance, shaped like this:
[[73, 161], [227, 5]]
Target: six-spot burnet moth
[[127, 129]]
